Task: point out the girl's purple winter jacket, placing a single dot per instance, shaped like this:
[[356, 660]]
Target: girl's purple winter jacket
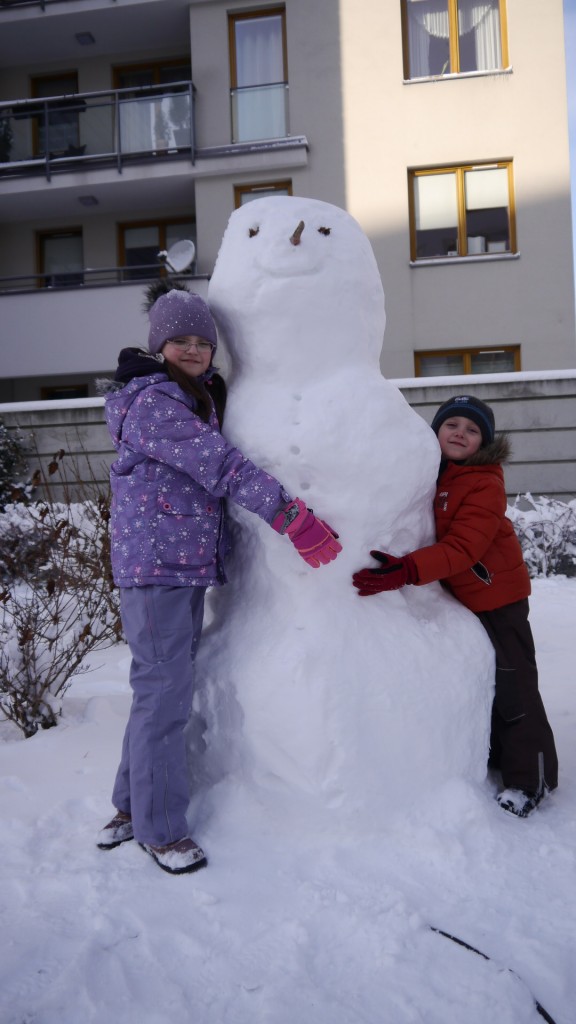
[[168, 482]]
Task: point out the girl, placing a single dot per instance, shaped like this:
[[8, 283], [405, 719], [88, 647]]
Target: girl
[[172, 473], [479, 559]]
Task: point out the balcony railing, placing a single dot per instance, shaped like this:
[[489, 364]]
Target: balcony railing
[[42, 4], [90, 277], [108, 128]]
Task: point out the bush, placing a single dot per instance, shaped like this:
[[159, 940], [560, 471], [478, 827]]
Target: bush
[[57, 603], [13, 467], [546, 529]]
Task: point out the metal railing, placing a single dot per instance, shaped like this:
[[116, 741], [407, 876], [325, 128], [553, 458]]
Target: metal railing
[[88, 277], [42, 4], [58, 133]]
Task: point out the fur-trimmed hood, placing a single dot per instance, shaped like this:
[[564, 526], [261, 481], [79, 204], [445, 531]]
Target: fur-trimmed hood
[[496, 453]]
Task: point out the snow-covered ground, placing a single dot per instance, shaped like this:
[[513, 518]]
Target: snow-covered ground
[[286, 928]]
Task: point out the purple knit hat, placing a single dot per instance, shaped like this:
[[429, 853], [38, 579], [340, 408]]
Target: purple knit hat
[[176, 313]]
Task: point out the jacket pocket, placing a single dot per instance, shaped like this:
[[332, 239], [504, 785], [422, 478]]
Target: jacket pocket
[[482, 573], [186, 539]]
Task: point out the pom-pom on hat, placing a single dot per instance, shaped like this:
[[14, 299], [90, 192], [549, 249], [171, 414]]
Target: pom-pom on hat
[[177, 313], [475, 410]]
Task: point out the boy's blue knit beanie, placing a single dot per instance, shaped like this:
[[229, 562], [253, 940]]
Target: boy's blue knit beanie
[[475, 410]]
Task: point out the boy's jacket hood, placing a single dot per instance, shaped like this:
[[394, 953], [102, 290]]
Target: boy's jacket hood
[[495, 453]]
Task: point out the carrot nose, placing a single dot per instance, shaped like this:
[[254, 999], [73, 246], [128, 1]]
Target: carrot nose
[[295, 238]]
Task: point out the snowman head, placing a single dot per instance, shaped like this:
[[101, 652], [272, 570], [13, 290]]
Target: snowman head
[[296, 285]]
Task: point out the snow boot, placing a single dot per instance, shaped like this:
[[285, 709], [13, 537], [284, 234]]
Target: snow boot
[[520, 803], [117, 831], [177, 858]]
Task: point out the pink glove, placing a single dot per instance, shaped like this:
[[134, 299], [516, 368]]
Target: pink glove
[[313, 539]]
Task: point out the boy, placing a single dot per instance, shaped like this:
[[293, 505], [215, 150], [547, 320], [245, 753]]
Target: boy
[[478, 557]]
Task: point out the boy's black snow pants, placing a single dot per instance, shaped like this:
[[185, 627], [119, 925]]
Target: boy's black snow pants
[[521, 743]]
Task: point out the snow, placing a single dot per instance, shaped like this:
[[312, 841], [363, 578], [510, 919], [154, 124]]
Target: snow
[[285, 928], [338, 768]]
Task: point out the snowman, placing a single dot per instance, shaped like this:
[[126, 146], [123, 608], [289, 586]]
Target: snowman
[[316, 703]]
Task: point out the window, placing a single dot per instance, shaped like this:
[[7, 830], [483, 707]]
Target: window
[[160, 73], [461, 211], [259, 75], [139, 245], [59, 133], [448, 362], [443, 37], [60, 258], [245, 193], [64, 391]]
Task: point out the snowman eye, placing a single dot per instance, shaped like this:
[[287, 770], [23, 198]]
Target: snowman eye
[[324, 231], [252, 232]]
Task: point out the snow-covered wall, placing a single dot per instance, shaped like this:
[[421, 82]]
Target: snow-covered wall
[[538, 409]]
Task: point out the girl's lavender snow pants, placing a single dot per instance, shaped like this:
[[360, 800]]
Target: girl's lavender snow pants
[[162, 626]]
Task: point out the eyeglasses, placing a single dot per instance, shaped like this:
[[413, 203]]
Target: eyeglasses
[[185, 344]]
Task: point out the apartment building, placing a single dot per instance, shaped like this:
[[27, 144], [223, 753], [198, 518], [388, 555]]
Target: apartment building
[[130, 127]]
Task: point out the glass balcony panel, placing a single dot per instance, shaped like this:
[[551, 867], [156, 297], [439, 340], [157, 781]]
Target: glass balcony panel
[[88, 126], [260, 112], [153, 124]]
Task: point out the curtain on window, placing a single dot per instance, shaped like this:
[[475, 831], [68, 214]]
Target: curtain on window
[[435, 202], [483, 21], [259, 58], [429, 34], [427, 20]]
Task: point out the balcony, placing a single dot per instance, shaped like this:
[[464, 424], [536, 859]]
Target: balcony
[[260, 112], [51, 333], [94, 277], [111, 128]]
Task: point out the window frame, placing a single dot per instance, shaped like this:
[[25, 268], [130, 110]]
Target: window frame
[[255, 14], [41, 237], [69, 81], [453, 45], [467, 355], [162, 223], [459, 171], [276, 109], [261, 186], [155, 67]]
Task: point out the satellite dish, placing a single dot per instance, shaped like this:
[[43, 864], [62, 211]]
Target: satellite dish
[[180, 255]]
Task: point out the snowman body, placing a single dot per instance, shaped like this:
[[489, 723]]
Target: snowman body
[[309, 693]]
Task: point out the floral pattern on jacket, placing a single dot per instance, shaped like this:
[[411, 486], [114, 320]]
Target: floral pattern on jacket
[[168, 484], [477, 553]]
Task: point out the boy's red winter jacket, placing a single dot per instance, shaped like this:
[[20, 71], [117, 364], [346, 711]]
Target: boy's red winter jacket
[[477, 553]]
